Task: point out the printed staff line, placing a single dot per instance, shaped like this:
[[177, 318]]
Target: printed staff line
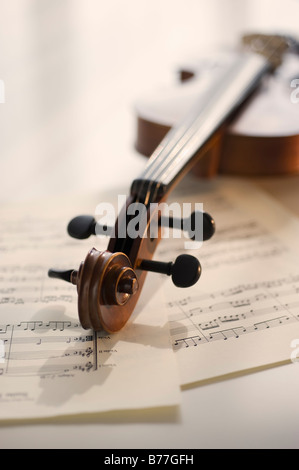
[[26, 371], [234, 333], [48, 354], [48, 339], [241, 288], [244, 315]]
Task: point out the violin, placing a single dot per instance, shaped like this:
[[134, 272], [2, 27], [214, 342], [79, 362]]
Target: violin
[[109, 283]]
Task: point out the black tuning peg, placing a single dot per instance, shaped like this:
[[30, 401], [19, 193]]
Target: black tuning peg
[[192, 225], [128, 285], [68, 276], [185, 271], [83, 226]]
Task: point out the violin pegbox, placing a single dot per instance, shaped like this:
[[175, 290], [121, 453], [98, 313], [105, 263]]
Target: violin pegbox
[[108, 284]]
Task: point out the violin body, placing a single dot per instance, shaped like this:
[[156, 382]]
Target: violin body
[[262, 139]]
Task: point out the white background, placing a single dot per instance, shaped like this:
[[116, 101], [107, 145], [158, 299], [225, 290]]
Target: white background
[[72, 70]]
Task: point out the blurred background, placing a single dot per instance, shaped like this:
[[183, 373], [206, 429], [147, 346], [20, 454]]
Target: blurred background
[[72, 70]]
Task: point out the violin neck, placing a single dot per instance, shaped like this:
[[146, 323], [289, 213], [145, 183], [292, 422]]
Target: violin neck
[[192, 136]]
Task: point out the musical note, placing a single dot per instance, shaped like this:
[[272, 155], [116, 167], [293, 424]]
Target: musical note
[[209, 325], [213, 326], [231, 318], [28, 325], [24, 342], [189, 341]]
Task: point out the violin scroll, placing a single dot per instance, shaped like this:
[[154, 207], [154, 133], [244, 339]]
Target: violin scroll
[[109, 282], [105, 282]]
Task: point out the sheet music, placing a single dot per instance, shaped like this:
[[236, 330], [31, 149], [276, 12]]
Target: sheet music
[[243, 313], [49, 365]]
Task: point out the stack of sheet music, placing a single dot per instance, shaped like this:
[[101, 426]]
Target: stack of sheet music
[[241, 316]]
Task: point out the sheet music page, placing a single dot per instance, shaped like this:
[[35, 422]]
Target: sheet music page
[[243, 313], [49, 365]]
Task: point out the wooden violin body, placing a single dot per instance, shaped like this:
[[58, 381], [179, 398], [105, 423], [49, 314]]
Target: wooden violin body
[[263, 139]]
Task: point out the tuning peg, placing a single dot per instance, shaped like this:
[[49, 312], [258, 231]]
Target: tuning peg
[[185, 271], [127, 284], [69, 276], [83, 226], [192, 225]]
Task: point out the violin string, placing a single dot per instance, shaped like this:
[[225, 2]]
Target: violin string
[[160, 165], [174, 155], [173, 160]]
